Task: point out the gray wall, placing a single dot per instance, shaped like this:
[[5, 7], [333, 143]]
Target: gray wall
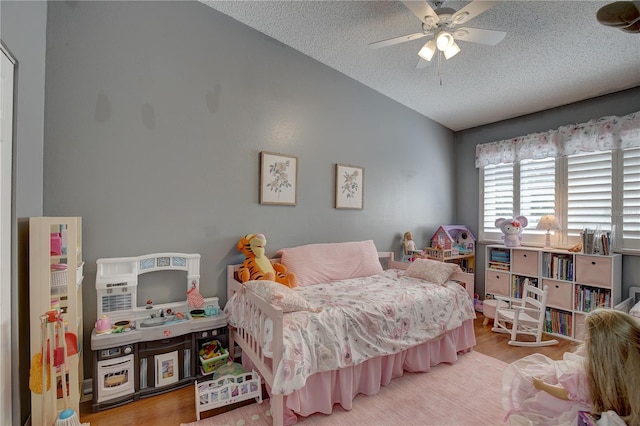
[[467, 191], [156, 113], [22, 29]]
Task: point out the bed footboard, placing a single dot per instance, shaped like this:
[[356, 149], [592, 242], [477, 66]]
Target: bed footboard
[[251, 335]]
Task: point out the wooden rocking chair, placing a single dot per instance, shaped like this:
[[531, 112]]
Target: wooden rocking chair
[[526, 316]]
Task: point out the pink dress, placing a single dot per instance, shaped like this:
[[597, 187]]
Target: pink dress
[[526, 405]]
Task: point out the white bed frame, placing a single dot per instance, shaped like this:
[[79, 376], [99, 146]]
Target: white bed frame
[[260, 308]]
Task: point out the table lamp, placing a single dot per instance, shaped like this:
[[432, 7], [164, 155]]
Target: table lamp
[[548, 222]]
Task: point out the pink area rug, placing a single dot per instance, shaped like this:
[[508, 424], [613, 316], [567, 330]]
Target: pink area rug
[[464, 393]]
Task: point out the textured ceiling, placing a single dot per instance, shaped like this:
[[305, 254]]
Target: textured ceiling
[[554, 53]]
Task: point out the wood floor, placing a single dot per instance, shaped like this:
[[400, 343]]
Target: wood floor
[[178, 406]]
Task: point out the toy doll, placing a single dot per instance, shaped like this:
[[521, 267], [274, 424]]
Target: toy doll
[[408, 243], [597, 378], [512, 229]]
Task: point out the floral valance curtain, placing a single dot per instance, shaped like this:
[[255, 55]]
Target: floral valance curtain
[[602, 134]]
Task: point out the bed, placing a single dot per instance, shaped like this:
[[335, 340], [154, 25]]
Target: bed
[[343, 341], [631, 305]]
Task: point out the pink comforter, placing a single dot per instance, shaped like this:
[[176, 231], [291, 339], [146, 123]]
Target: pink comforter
[[392, 314]]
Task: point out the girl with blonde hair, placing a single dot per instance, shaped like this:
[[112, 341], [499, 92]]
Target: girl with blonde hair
[[600, 377]]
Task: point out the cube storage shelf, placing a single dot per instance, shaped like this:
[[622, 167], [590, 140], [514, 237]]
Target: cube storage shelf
[[578, 283]]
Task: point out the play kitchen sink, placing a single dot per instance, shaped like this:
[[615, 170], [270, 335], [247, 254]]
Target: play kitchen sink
[[157, 321]]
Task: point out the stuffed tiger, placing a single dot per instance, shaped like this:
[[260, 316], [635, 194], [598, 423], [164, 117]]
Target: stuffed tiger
[[257, 266]]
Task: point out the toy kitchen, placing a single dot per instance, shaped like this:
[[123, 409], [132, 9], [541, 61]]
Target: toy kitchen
[[144, 349]]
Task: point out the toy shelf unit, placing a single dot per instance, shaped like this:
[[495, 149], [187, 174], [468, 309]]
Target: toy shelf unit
[[453, 244], [227, 390], [577, 282], [55, 285]]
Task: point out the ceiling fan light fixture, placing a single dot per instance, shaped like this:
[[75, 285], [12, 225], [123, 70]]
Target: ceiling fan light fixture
[[444, 41], [452, 51], [428, 50]]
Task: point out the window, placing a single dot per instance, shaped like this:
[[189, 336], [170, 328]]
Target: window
[[589, 192], [498, 193], [630, 198], [527, 189], [537, 189], [582, 190]]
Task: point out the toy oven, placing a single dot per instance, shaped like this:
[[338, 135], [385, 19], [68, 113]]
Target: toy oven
[[115, 373]]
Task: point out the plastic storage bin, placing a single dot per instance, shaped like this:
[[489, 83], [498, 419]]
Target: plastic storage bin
[[209, 365]]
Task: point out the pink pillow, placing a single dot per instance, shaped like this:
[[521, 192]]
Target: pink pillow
[[321, 263], [431, 270]]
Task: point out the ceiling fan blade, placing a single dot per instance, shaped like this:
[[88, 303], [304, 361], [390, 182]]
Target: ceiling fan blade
[[477, 35], [422, 9], [471, 10], [397, 40]]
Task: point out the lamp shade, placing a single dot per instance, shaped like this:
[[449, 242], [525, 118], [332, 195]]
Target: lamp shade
[[444, 40], [452, 51], [548, 222], [428, 50]]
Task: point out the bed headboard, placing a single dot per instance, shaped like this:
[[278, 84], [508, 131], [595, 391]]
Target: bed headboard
[[385, 257]]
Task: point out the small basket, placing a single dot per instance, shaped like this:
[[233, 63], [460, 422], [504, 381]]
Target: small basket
[[59, 278], [212, 364]]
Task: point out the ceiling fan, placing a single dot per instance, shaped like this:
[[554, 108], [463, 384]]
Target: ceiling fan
[[442, 23]]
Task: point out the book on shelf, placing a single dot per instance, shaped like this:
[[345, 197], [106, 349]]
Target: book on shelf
[[590, 298], [517, 285], [499, 265], [595, 241], [558, 322]]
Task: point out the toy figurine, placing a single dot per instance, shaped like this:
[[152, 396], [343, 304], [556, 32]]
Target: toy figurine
[[408, 246], [408, 243], [512, 229], [257, 266]]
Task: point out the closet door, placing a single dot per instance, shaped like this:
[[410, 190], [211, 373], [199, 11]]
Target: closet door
[[7, 65]]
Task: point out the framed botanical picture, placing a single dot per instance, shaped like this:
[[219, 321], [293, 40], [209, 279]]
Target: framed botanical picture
[[278, 179], [349, 187]]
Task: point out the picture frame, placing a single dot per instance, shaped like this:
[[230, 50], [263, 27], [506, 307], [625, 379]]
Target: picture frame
[[349, 187], [278, 179], [167, 368]]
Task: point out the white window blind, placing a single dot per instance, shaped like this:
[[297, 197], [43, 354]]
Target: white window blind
[[589, 191], [631, 197], [498, 194], [537, 189]]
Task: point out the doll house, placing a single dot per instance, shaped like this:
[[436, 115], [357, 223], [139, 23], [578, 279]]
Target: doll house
[[453, 243]]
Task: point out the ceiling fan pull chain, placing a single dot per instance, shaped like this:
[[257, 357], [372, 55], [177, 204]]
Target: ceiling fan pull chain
[[439, 75]]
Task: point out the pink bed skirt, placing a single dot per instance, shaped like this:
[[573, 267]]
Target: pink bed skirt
[[323, 390]]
